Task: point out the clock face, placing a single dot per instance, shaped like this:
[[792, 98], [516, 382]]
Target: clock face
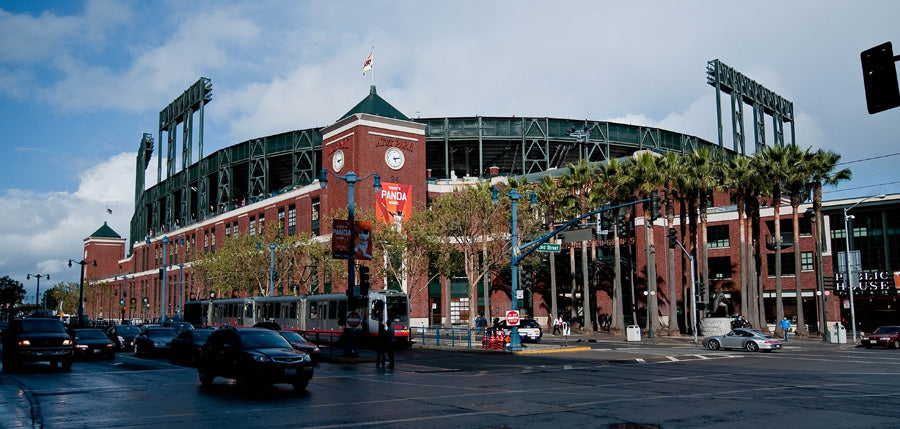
[[394, 158], [337, 160]]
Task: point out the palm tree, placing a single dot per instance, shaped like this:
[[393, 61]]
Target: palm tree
[[645, 178], [797, 180], [549, 195], [740, 178], [611, 186], [704, 171], [580, 181], [671, 167], [822, 165], [773, 163]]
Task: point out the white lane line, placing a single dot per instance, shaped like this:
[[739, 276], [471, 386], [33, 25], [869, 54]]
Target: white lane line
[[640, 360], [672, 358]]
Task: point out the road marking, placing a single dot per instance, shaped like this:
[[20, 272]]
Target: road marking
[[640, 360]]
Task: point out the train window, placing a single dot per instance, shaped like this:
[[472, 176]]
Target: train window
[[293, 311], [248, 311], [342, 307], [377, 310], [313, 310], [397, 308], [332, 311]]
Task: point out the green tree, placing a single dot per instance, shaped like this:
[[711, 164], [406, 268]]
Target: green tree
[[612, 186], [580, 181], [741, 180], [549, 195], [774, 163], [797, 184], [11, 295], [644, 178]]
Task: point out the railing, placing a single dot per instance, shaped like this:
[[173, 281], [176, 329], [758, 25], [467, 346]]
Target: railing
[[448, 337]]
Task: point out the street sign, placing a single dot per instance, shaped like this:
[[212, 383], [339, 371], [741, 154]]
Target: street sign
[[353, 319], [549, 247], [520, 294], [512, 318]]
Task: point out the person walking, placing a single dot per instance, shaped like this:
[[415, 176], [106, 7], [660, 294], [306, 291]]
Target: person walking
[[557, 324], [785, 327], [380, 346]]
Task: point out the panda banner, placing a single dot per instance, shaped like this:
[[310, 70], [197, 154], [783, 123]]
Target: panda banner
[[394, 204], [341, 246]]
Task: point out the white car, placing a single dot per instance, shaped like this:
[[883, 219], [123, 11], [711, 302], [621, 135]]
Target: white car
[[529, 330]]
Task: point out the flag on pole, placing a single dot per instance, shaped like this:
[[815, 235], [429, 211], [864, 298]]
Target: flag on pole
[[368, 64]]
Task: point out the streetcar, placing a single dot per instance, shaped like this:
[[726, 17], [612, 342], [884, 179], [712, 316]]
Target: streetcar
[[322, 318]]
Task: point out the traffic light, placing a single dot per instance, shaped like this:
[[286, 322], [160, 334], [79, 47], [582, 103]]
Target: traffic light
[[654, 206], [146, 302], [880, 78], [363, 280], [122, 302], [673, 238]]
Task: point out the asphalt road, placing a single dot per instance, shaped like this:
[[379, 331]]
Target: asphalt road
[[668, 384]]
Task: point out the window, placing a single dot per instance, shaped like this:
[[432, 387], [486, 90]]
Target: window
[[806, 261], [787, 264], [314, 216], [292, 219], [720, 268], [235, 229], [212, 241], [252, 225], [281, 221], [205, 241], [227, 229], [717, 236], [262, 222]]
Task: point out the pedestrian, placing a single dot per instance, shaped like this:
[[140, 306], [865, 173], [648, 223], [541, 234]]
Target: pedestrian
[[380, 346], [557, 324], [480, 322], [785, 327], [389, 346]]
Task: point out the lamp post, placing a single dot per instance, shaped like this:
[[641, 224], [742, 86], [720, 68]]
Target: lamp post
[[37, 294], [351, 179], [81, 289], [848, 280], [165, 242], [515, 343]]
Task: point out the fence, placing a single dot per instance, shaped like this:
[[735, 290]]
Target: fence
[[448, 337]]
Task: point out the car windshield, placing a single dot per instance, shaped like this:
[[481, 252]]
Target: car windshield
[[530, 324], [89, 334], [888, 330], [201, 334], [35, 325], [128, 330], [263, 338], [292, 336], [161, 332]]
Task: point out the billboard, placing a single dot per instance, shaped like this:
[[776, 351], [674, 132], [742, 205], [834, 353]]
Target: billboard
[[394, 204], [341, 247]]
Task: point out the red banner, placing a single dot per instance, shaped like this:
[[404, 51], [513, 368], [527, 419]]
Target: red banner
[[341, 247], [394, 204]]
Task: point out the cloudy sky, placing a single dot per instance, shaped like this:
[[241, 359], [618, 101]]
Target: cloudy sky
[[80, 81]]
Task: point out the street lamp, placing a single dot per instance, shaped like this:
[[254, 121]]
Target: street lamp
[[165, 242], [848, 281], [180, 290], [81, 289], [272, 247], [351, 179], [37, 294], [515, 343]]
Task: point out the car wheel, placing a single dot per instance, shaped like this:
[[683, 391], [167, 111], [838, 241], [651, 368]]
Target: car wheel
[[751, 346], [205, 377], [713, 345], [300, 385], [896, 344], [67, 364]]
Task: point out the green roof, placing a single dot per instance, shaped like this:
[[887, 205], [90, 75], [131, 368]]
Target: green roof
[[375, 105], [105, 232]]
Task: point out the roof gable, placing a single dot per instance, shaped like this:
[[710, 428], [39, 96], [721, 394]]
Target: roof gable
[[375, 105]]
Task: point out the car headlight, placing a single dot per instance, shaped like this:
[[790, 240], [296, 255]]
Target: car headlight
[[260, 358], [306, 358], [24, 343], [67, 342]]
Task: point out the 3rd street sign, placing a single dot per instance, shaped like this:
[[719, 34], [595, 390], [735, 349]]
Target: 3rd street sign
[[549, 247]]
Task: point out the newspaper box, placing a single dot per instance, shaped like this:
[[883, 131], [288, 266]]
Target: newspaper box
[[633, 333]]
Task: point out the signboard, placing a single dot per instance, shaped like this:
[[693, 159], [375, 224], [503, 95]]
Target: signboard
[[549, 247], [512, 318], [575, 235], [520, 294], [353, 319], [341, 247], [394, 204]]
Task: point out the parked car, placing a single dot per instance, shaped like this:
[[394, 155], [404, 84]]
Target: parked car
[[888, 336], [153, 340], [529, 330], [123, 336], [37, 340], [179, 326], [743, 338], [186, 346], [299, 342], [92, 342], [253, 355]]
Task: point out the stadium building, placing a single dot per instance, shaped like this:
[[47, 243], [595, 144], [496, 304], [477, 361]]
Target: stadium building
[[238, 189]]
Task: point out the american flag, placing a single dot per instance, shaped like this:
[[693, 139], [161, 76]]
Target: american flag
[[368, 64]]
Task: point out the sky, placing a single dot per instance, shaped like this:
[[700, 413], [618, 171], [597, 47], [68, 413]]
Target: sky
[[80, 81]]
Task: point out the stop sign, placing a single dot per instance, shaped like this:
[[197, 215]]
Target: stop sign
[[512, 318], [353, 319]]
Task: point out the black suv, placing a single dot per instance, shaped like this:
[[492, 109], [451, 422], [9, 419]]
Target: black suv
[[37, 340], [253, 355]]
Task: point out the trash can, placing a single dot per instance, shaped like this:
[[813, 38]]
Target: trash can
[[838, 334], [633, 333]]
